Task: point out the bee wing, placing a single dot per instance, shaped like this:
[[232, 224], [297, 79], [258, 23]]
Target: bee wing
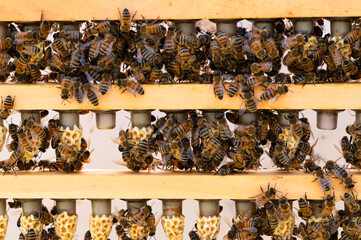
[[338, 148], [195, 133], [82, 59], [149, 48], [274, 99], [290, 133], [132, 91], [119, 162], [116, 140], [110, 47], [139, 56]]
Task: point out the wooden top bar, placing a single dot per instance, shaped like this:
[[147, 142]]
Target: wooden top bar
[[185, 96], [80, 10], [124, 184]]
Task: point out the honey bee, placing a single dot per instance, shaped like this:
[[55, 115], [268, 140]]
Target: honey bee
[[35, 73], [70, 35], [218, 86], [5, 44], [273, 94], [352, 36], [257, 68], [319, 230], [31, 235], [125, 21], [25, 141], [58, 63], [22, 63], [77, 57], [88, 235], [285, 209], [249, 99], [144, 51], [351, 203], [280, 155], [169, 43], [269, 44], [182, 129], [345, 236], [102, 27], [336, 55], [44, 217], [215, 53], [255, 81], [67, 151], [292, 41], [49, 165], [307, 64], [22, 37], [6, 107], [257, 47], [212, 146], [132, 86], [295, 126], [327, 57], [66, 87], [15, 204], [4, 59], [271, 215], [329, 206], [224, 131], [28, 49], [322, 179], [193, 235], [166, 148], [38, 130], [265, 196], [186, 156], [349, 67], [156, 73], [88, 89], [304, 209]]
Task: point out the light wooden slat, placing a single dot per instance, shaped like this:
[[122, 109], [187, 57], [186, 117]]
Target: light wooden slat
[[68, 10], [185, 96], [109, 184]]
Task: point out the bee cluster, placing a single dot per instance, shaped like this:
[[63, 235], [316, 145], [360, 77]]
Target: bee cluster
[[323, 221], [87, 60], [37, 224], [290, 144], [134, 223], [205, 141], [137, 147], [32, 138], [351, 146]]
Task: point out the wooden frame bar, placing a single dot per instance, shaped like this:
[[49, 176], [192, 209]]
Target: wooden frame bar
[[67, 10], [123, 184], [185, 96]]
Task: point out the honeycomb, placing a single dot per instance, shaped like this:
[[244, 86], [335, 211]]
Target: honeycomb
[[30, 155], [137, 232], [208, 227], [27, 223], [71, 137], [136, 135], [173, 227], [100, 226], [291, 140], [284, 230], [4, 219], [65, 225]]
